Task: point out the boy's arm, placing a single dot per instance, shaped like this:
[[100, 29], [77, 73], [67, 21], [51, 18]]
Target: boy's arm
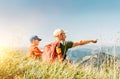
[[37, 51], [83, 42]]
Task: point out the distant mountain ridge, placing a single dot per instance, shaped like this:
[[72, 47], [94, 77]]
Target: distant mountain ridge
[[77, 53], [98, 59]]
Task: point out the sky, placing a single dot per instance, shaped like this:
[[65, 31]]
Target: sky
[[82, 19]]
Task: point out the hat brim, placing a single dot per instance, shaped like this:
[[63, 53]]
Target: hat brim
[[39, 39]]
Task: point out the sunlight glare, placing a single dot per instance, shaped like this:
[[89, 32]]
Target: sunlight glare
[[3, 54]]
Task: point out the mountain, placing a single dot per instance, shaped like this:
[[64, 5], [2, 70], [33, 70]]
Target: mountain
[[98, 59], [79, 52]]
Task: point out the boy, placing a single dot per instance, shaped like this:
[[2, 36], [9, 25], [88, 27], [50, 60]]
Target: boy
[[34, 51]]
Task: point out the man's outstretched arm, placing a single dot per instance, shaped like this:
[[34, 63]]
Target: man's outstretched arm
[[83, 42]]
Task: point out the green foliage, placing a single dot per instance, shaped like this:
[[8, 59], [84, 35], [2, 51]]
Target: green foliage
[[16, 65]]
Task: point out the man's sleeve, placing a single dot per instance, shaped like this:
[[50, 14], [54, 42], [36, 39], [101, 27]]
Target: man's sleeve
[[69, 44]]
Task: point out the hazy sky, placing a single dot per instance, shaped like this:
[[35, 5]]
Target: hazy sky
[[83, 19]]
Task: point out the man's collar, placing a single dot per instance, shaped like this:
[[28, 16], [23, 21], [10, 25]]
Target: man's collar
[[62, 41]]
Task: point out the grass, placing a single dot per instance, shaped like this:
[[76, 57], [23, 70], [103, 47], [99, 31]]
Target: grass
[[14, 64]]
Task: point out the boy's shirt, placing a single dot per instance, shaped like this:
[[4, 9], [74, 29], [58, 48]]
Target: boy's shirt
[[34, 51]]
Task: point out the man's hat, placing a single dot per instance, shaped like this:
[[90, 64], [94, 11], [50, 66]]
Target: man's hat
[[57, 32], [35, 38]]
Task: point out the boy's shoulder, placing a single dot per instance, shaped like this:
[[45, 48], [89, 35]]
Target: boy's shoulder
[[32, 47]]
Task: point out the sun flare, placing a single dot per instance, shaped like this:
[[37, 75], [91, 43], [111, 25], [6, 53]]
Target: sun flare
[[2, 54], [3, 44]]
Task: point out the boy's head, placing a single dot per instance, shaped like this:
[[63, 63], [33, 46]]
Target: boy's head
[[35, 38]]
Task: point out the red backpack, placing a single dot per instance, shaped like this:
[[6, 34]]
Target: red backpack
[[49, 52]]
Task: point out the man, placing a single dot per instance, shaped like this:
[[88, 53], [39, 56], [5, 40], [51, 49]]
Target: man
[[59, 35], [34, 51]]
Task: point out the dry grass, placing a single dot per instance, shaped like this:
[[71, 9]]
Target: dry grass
[[15, 65]]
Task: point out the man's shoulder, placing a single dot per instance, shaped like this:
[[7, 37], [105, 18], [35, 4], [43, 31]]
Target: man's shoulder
[[68, 41]]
